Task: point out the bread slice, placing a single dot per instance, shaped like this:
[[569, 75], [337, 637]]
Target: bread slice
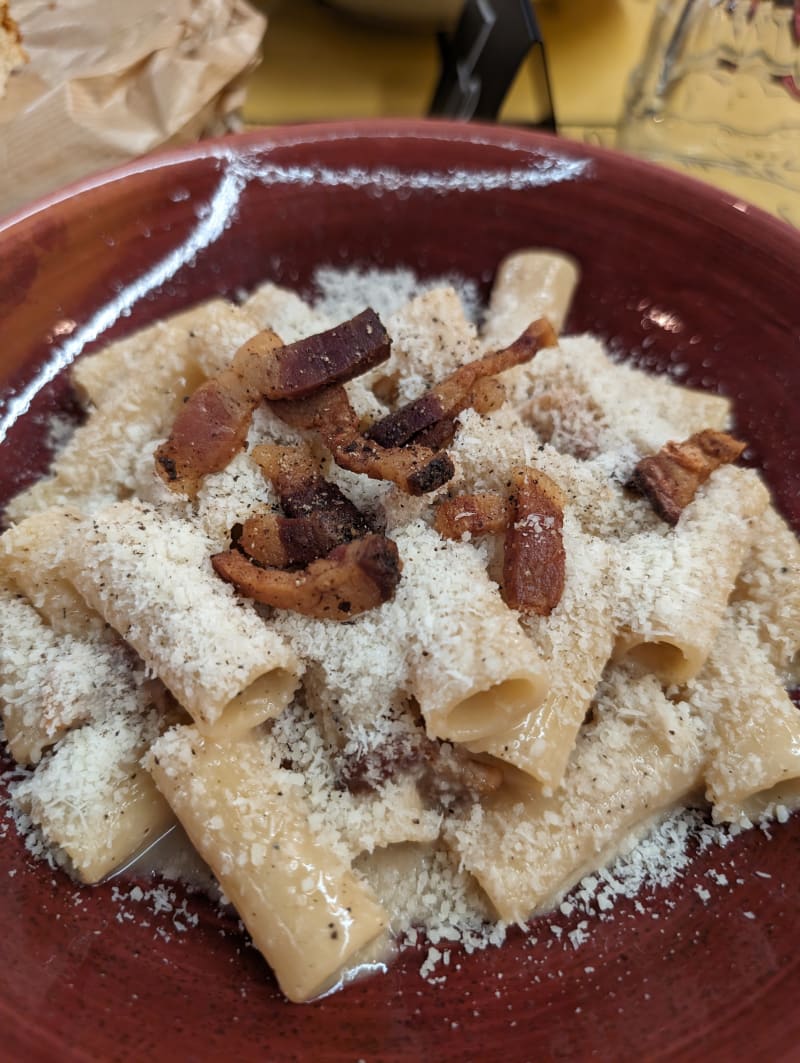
[[12, 54]]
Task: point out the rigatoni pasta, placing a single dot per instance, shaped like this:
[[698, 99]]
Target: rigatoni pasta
[[576, 641], [586, 404], [91, 798], [148, 575], [30, 556], [767, 592], [305, 910], [673, 588], [97, 464], [754, 726], [527, 285], [53, 682], [473, 671], [638, 757], [401, 704]]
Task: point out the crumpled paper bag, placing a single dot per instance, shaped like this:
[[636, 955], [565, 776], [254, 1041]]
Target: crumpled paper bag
[[112, 79]]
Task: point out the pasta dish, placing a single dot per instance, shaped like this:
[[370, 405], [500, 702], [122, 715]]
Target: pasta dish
[[354, 598]]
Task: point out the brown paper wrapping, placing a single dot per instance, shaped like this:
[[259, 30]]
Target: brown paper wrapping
[[110, 79]]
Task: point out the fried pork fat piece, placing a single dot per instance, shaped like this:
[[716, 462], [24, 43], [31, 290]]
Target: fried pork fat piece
[[533, 551], [332, 357], [473, 384], [470, 515], [348, 567], [317, 516], [532, 519], [415, 469], [670, 478], [405, 446], [212, 426], [353, 578]]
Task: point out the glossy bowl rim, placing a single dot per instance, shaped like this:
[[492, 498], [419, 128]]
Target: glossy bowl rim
[[705, 194]]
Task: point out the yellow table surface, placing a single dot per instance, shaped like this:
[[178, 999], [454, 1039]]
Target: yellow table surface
[[321, 63]]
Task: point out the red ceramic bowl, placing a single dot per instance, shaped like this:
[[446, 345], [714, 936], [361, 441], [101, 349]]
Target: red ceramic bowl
[[678, 278]]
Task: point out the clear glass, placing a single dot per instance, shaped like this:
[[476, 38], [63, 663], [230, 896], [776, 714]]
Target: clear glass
[[718, 94]]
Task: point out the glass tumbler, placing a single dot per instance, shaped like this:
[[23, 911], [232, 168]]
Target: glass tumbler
[[718, 94]]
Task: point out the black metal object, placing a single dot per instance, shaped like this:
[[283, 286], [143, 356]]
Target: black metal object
[[481, 58]]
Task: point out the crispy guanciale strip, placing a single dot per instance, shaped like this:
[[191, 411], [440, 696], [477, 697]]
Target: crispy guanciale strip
[[211, 427], [317, 517], [301, 487], [353, 578], [308, 365], [670, 478], [276, 540], [273, 539], [461, 389], [442, 771], [479, 514], [290, 469], [414, 469], [533, 558], [487, 395], [437, 437]]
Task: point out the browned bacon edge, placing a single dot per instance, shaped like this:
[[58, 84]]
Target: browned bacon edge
[[211, 427], [670, 478], [479, 514], [299, 369], [462, 388], [353, 578], [317, 515], [533, 554], [416, 470], [533, 550]]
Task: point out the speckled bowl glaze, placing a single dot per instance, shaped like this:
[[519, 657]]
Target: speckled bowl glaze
[[678, 278]]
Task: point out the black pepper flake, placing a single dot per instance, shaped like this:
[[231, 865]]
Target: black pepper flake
[[169, 467]]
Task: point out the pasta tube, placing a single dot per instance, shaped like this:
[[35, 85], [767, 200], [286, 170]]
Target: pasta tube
[[446, 639], [30, 554], [98, 464], [673, 587], [575, 640], [305, 909], [767, 591], [641, 756], [208, 334], [50, 682], [149, 576], [473, 671], [90, 797], [754, 724], [529, 284], [584, 403]]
